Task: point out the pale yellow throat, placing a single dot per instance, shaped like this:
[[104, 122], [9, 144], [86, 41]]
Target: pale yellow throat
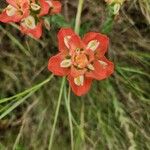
[[35, 7], [10, 10], [29, 22], [79, 81]]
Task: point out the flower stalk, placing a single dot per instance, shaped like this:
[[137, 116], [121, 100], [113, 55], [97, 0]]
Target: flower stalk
[[77, 30], [56, 114], [78, 16]]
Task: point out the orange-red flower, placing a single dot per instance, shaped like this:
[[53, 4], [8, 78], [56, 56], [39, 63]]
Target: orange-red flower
[[15, 11], [29, 13], [32, 24], [81, 60]]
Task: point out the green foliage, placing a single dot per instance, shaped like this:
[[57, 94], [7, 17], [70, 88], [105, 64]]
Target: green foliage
[[59, 20], [108, 24]]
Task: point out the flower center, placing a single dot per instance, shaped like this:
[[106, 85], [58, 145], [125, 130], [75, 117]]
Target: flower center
[[81, 60]]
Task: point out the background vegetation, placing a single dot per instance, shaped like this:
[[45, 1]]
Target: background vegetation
[[114, 115]]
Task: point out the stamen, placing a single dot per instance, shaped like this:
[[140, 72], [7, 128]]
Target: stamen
[[81, 60]]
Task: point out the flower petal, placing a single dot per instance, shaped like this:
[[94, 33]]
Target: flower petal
[[82, 89], [5, 18], [96, 42], [25, 8], [77, 72], [36, 32], [90, 55], [103, 68], [14, 12], [44, 8], [12, 2], [75, 44], [64, 34], [55, 6], [54, 65]]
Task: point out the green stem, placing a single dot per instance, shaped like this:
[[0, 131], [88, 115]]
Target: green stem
[[67, 101], [11, 108], [70, 120], [77, 30], [78, 16], [56, 114]]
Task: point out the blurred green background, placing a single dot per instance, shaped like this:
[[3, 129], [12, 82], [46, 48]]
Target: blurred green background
[[114, 115]]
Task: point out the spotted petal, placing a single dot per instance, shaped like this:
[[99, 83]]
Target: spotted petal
[[44, 7], [35, 32], [103, 68], [96, 42], [77, 72], [75, 44], [55, 67], [12, 12], [55, 6], [65, 63], [63, 37], [81, 89], [5, 18]]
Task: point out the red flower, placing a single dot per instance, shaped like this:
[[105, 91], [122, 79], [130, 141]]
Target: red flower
[[81, 60], [29, 13], [15, 11], [32, 24]]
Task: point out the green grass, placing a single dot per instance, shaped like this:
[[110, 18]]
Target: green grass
[[37, 111]]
